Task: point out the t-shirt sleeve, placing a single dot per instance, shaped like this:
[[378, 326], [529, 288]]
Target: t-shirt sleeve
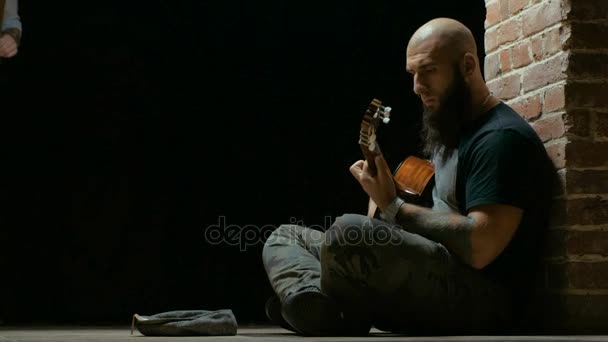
[[497, 170]]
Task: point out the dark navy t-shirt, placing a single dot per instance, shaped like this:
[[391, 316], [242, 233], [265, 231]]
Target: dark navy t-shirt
[[501, 160]]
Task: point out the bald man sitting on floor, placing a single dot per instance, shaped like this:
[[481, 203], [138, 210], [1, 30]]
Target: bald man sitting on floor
[[463, 266]]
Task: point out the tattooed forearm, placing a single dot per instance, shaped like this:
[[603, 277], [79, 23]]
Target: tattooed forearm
[[452, 230]]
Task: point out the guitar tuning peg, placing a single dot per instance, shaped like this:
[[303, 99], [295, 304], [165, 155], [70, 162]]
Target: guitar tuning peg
[[386, 120], [387, 110]]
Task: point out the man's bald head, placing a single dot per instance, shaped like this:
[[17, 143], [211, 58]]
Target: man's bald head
[[442, 58], [445, 36]]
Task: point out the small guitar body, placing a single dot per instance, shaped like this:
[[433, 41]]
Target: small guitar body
[[414, 177]]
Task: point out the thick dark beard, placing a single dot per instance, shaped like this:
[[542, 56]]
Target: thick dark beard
[[444, 127]]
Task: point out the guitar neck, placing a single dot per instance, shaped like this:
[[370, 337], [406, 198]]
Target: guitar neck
[[370, 157], [374, 116]]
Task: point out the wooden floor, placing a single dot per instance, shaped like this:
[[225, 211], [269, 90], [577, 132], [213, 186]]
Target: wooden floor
[[245, 333]]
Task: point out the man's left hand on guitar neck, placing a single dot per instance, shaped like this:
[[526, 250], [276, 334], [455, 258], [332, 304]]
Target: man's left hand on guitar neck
[[381, 187]]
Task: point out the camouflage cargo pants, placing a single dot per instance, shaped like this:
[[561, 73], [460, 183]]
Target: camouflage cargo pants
[[398, 281]]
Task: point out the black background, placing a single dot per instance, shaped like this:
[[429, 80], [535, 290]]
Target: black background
[[130, 127]]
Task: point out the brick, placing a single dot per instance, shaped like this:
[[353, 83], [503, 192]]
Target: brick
[[557, 153], [505, 60], [560, 188], [506, 87], [552, 42], [536, 48], [545, 73], [601, 125], [549, 128], [493, 16], [566, 242], [538, 18], [589, 95], [578, 275], [588, 65], [565, 35], [504, 9], [509, 31], [520, 55], [562, 242], [589, 36], [532, 21], [588, 275], [554, 99], [587, 242], [491, 40], [587, 211], [589, 10], [587, 182], [529, 108], [492, 66], [582, 153], [577, 122], [517, 5]]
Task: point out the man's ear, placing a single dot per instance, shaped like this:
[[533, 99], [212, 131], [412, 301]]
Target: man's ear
[[470, 64]]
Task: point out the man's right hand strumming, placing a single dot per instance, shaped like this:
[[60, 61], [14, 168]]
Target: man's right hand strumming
[[8, 46]]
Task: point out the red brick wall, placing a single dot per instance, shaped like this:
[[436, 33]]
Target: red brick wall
[[549, 60]]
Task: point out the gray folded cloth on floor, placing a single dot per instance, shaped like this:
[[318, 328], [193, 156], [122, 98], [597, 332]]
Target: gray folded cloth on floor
[[186, 323]]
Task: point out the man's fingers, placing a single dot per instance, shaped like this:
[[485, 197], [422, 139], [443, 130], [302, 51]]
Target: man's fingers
[[5, 43], [358, 165], [365, 168], [357, 168], [8, 46], [8, 52]]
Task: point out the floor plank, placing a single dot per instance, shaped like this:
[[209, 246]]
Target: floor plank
[[245, 333]]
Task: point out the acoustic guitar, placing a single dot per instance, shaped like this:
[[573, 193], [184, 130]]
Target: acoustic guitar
[[413, 177]]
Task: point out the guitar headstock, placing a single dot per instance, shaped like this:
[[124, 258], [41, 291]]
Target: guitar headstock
[[375, 114]]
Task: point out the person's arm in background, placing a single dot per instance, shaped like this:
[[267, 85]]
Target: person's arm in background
[[10, 39]]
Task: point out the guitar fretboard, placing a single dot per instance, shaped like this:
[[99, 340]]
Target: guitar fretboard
[[374, 115]]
